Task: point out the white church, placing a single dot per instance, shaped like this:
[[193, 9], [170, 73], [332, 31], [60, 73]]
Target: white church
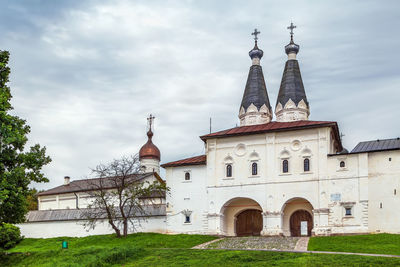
[[288, 177]]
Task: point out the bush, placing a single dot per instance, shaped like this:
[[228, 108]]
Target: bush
[[10, 236]]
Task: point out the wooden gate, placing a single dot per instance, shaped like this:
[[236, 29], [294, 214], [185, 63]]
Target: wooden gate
[[295, 222], [249, 223]]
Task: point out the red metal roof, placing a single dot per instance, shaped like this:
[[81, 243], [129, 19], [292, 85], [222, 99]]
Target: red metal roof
[[272, 127], [198, 160]]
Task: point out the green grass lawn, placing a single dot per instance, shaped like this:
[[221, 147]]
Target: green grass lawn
[[139, 240], [377, 243], [146, 249]]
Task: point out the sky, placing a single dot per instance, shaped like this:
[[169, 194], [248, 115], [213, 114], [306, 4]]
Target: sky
[[86, 74]]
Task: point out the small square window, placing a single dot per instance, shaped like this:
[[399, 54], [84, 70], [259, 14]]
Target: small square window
[[187, 219], [348, 211], [187, 176]]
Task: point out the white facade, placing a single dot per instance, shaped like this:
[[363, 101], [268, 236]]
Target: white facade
[[325, 191], [75, 228]]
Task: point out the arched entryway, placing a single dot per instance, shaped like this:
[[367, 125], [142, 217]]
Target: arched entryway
[[249, 223], [241, 217], [297, 219], [301, 223]]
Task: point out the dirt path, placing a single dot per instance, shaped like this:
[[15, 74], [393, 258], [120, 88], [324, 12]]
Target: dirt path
[[262, 244], [302, 244]]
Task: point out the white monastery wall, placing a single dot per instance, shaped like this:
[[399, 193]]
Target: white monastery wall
[[186, 198], [75, 228], [384, 191]]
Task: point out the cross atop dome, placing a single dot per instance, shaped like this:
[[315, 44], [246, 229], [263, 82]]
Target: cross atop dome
[[292, 48], [150, 121], [291, 28], [255, 33]]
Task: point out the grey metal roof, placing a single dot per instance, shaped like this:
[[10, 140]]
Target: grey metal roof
[[292, 84], [88, 184], [76, 214], [255, 91], [377, 145]]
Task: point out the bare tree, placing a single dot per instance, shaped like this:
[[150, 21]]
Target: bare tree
[[121, 195]]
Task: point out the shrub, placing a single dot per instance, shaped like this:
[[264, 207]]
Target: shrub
[[10, 236]]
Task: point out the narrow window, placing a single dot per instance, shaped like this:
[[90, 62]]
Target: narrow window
[[306, 165], [380, 205], [390, 159], [342, 164], [229, 170], [254, 168], [348, 211], [187, 176], [395, 192], [187, 218], [285, 166]]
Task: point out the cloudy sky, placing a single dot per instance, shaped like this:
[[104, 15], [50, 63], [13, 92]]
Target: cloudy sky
[[86, 74]]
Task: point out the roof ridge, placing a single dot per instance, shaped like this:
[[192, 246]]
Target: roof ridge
[[378, 140]]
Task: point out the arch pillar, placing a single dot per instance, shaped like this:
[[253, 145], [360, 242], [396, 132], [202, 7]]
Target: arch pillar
[[214, 222], [272, 223], [321, 222]]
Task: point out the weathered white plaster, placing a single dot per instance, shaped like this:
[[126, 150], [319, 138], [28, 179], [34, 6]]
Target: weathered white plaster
[[150, 165], [75, 228], [291, 112], [367, 180], [254, 116]]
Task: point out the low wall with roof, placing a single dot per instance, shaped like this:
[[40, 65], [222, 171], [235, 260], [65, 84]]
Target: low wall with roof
[[57, 223]]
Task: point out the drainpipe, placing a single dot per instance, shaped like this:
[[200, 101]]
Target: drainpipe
[[77, 204]]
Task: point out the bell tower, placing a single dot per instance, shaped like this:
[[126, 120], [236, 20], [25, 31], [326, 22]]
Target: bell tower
[[292, 104], [255, 107], [149, 154]]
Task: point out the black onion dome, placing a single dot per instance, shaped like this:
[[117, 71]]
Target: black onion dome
[[256, 52], [292, 47], [256, 91], [291, 85]]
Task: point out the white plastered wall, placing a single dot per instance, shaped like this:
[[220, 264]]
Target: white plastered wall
[[186, 196], [75, 228], [384, 179]]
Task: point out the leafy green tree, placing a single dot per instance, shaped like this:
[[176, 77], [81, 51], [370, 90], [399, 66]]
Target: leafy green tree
[[32, 198], [18, 168]]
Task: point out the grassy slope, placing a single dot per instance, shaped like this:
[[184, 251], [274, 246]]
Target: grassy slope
[[378, 244], [101, 250], [164, 250], [186, 257], [139, 240]]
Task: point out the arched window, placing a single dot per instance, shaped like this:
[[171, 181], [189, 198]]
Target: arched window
[[187, 176], [254, 168], [285, 166], [306, 165], [342, 164], [229, 170]]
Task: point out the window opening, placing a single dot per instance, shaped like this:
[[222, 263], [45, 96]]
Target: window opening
[[342, 164], [187, 176], [187, 218], [254, 168], [285, 166], [306, 165], [229, 170], [348, 211]]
